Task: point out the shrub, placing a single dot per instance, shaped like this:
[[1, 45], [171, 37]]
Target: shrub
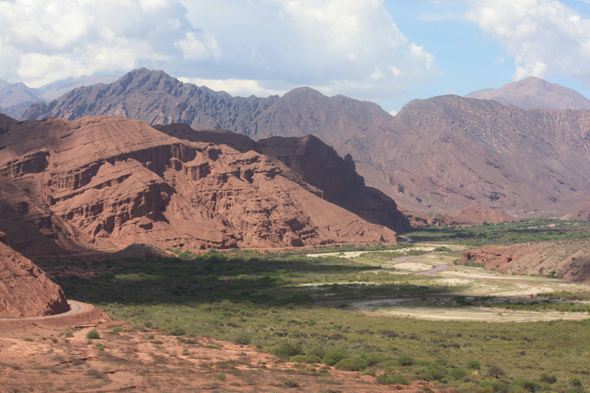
[[290, 383], [100, 347], [319, 352], [405, 360], [474, 365], [28, 339], [243, 339], [221, 377], [495, 371], [550, 379], [457, 373], [178, 331], [351, 364], [310, 359], [576, 382], [531, 386], [434, 373], [287, 350], [93, 335], [441, 249], [384, 379], [334, 357]]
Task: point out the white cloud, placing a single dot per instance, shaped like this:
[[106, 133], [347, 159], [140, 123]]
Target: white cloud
[[350, 47], [245, 47], [544, 37], [48, 40], [235, 87]]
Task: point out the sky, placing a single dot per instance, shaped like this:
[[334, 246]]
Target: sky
[[386, 51]]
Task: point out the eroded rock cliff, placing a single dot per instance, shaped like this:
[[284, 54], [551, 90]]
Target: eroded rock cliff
[[104, 183]]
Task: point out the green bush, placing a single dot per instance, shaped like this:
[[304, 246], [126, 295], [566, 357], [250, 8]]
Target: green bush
[[457, 373], [550, 379], [93, 335], [334, 357], [405, 360], [351, 364], [100, 347], [531, 386], [384, 379], [243, 339], [576, 382], [287, 350], [474, 365], [434, 373], [309, 359]]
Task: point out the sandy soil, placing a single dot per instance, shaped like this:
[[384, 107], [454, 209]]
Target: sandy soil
[[53, 354]]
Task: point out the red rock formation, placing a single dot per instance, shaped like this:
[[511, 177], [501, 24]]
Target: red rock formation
[[25, 290], [106, 182], [569, 259], [474, 215], [313, 162], [435, 155]]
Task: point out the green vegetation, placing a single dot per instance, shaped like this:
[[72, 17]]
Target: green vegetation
[[519, 232], [93, 335], [267, 300]]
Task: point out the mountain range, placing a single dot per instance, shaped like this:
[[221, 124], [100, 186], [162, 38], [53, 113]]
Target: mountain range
[[532, 92], [15, 98], [435, 156], [104, 183]]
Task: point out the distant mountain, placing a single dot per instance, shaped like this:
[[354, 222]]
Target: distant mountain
[[156, 98], [532, 93], [435, 155], [17, 97], [59, 88], [16, 94]]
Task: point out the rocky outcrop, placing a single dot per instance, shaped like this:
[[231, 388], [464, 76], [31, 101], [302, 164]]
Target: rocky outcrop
[[25, 290], [104, 183], [436, 155], [474, 215], [532, 92], [312, 162], [569, 259]]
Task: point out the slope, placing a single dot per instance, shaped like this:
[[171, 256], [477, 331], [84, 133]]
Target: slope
[[532, 92], [103, 183]]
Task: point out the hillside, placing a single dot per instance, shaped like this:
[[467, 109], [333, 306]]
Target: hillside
[[25, 290], [474, 215], [311, 162], [104, 183], [569, 259], [532, 92], [436, 155]]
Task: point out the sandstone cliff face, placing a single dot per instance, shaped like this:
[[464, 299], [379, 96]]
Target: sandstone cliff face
[[474, 215], [105, 183], [569, 259], [311, 162], [436, 155], [25, 291]]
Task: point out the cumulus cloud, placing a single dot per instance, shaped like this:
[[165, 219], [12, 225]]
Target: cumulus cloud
[[337, 46], [42, 41], [258, 47], [545, 37]]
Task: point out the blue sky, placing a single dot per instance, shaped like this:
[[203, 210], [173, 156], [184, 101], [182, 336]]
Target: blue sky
[[469, 59], [387, 51]]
